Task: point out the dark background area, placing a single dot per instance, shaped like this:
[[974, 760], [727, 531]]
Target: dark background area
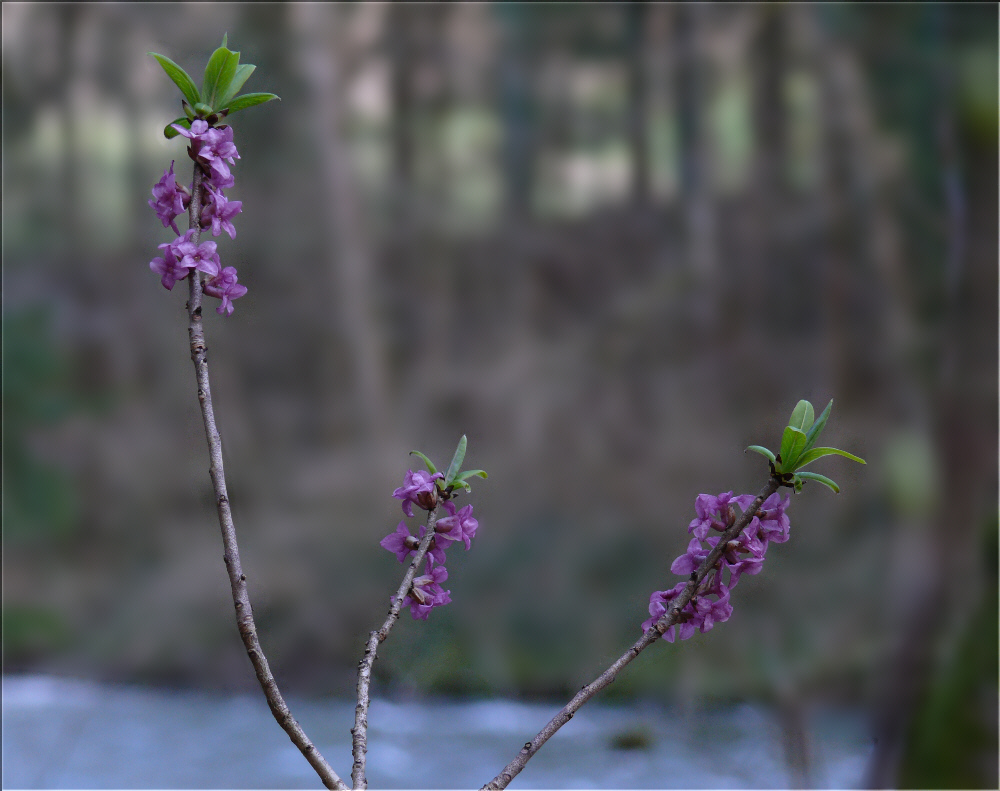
[[614, 245]]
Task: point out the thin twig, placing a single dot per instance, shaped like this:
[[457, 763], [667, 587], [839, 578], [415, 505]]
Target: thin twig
[[237, 580], [648, 638], [375, 638]]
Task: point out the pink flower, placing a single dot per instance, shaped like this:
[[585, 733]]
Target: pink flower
[[426, 593], [691, 559], [169, 267], [218, 212], [212, 148], [774, 522], [459, 526], [418, 488], [707, 613], [169, 199], [202, 257], [402, 544], [224, 286], [741, 555]]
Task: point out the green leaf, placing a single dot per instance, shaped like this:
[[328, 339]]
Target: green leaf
[[249, 100], [469, 473], [243, 73], [169, 132], [219, 74], [792, 443], [814, 476], [456, 462], [762, 451], [816, 453], [430, 465], [180, 78], [802, 416], [817, 427]]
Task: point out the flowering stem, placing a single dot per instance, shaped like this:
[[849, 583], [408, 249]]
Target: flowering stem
[[237, 580], [360, 730], [668, 619]]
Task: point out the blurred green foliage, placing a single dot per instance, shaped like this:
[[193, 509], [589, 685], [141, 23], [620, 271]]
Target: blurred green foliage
[[38, 497], [952, 742], [31, 633]]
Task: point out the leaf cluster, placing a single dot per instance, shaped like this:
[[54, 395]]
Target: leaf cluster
[[223, 79], [798, 448], [453, 477]]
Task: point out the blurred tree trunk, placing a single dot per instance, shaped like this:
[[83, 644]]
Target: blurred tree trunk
[[636, 18], [965, 431], [841, 211], [351, 286], [518, 55], [516, 108], [697, 209], [429, 256], [951, 404], [769, 115], [760, 268], [76, 64], [401, 58]]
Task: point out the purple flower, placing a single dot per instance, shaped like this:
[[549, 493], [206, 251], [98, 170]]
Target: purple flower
[[459, 526], [707, 613], [170, 200], [402, 544], [198, 128], [223, 146], [218, 212], [435, 553], [169, 267], [747, 543], [683, 628], [426, 593], [715, 512], [774, 522], [211, 148], [657, 607], [691, 559], [224, 286], [741, 555], [418, 488], [202, 257], [699, 613], [751, 565], [658, 604], [220, 181]]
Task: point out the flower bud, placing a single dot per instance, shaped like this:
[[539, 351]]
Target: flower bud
[[427, 500], [418, 594]]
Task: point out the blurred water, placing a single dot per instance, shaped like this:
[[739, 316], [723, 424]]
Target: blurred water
[[59, 733]]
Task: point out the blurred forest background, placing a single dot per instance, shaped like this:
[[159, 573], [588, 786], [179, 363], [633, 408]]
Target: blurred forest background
[[612, 243]]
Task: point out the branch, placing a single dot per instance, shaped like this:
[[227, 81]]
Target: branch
[[668, 619], [360, 730], [237, 580]]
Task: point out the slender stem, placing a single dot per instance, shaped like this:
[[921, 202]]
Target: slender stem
[[648, 638], [237, 579], [375, 638]]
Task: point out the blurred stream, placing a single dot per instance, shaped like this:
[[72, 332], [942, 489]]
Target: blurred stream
[[61, 733]]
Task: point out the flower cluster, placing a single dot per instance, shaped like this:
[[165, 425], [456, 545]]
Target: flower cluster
[[742, 555], [213, 150], [421, 489]]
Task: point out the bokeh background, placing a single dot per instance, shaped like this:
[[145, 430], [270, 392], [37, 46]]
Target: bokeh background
[[613, 244]]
